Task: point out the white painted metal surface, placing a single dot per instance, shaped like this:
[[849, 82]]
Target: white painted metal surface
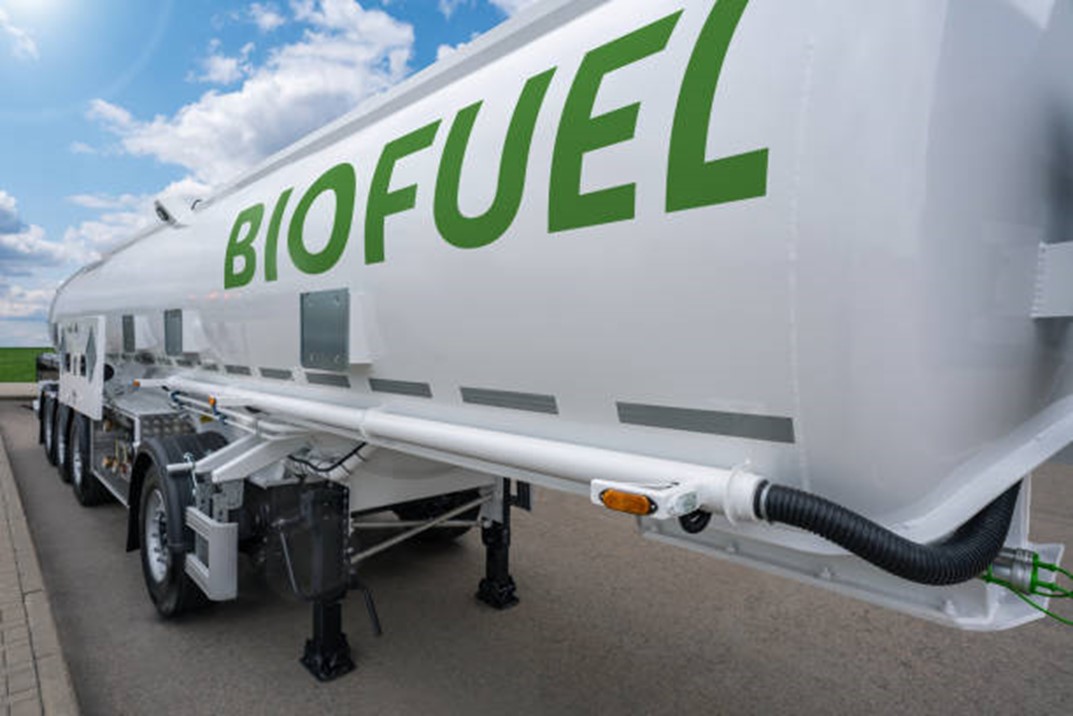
[[81, 345], [213, 567], [862, 327]]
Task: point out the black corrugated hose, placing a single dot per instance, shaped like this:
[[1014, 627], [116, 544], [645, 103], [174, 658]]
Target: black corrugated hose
[[964, 555]]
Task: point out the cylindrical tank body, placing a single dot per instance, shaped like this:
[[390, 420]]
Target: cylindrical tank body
[[845, 304]]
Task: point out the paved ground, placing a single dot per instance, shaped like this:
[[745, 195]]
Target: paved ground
[[18, 390], [33, 675], [609, 623]]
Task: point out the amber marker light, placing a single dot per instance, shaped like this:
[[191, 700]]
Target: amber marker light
[[212, 401], [137, 384], [627, 502]]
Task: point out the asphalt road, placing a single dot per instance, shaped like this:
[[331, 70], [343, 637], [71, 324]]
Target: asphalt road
[[609, 623]]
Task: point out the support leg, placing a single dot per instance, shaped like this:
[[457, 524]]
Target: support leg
[[327, 654], [497, 589], [323, 510]]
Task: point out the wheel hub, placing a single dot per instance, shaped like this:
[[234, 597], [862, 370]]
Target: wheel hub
[[76, 464], [156, 537]]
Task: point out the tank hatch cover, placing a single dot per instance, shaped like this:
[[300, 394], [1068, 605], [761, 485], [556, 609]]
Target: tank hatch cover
[[326, 329]]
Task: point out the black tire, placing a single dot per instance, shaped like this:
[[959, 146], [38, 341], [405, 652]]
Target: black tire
[[87, 488], [431, 507], [62, 441], [170, 589], [48, 427], [41, 416]]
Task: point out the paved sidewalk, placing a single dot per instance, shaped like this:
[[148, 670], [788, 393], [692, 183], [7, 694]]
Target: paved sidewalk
[[34, 675], [18, 390]]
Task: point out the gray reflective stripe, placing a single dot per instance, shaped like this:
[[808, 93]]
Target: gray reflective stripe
[[533, 402], [275, 373], [402, 387], [333, 379], [173, 331], [237, 369], [737, 425]]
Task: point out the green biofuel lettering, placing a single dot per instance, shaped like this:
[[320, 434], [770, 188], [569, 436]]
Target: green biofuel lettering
[[693, 180]]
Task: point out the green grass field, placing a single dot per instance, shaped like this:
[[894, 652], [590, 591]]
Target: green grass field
[[17, 364]]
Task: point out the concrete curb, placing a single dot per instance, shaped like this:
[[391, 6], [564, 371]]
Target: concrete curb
[[35, 677], [17, 391]]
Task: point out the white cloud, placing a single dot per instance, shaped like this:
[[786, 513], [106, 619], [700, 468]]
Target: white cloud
[[185, 190], [447, 50], [346, 53], [111, 116], [221, 69], [81, 148], [23, 46], [104, 232], [448, 7], [9, 213], [24, 250], [266, 16], [20, 303], [512, 7], [24, 247], [105, 201], [125, 215]]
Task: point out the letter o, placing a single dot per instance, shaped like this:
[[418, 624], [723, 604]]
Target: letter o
[[341, 180]]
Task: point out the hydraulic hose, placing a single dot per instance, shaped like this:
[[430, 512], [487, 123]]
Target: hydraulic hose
[[964, 555]]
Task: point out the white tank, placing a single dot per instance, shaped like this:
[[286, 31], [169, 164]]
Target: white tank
[[806, 236]]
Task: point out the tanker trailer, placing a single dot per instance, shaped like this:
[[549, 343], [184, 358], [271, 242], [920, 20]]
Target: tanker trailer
[[784, 281]]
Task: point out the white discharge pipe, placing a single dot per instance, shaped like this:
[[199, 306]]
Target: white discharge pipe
[[727, 492]]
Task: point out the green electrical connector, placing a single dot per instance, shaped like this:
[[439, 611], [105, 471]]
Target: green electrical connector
[[1019, 571]]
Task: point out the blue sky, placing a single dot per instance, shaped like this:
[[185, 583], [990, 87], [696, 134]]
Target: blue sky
[[108, 104]]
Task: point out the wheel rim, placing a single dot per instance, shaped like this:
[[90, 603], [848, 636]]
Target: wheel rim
[[76, 461], [61, 448], [48, 429], [156, 536]]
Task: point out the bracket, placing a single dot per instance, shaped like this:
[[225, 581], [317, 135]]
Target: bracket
[[240, 459]]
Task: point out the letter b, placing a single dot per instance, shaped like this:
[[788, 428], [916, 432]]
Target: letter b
[[243, 247]]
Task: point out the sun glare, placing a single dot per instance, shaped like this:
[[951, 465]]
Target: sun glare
[[32, 9]]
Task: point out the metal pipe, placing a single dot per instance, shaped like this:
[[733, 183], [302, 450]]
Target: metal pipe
[[728, 492], [446, 516], [411, 523]]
